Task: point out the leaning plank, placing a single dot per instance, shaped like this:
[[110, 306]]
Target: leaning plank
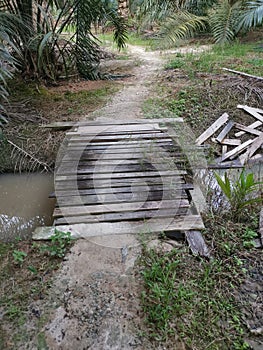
[[236, 150], [256, 144], [251, 126], [197, 243], [251, 111], [191, 222], [243, 74], [248, 129], [225, 131], [212, 129]]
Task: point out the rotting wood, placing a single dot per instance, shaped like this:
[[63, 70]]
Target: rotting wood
[[236, 150], [251, 126], [190, 222], [243, 74], [197, 243], [225, 131], [256, 144], [247, 129], [212, 129]]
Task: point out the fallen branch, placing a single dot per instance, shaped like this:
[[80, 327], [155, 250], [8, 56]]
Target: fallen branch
[[242, 73]]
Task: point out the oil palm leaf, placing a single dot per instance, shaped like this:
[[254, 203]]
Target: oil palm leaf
[[252, 14]]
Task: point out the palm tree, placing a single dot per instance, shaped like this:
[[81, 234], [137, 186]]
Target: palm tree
[[42, 52]]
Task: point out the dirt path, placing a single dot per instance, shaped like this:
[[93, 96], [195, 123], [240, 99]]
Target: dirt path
[[95, 297]]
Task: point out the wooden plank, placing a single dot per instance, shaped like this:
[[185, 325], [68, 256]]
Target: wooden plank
[[251, 126], [116, 175], [226, 165], [124, 189], [242, 73], [112, 217], [116, 138], [87, 184], [225, 131], [169, 145], [258, 110], [212, 129], [119, 207], [256, 144], [236, 150], [109, 198], [224, 149], [143, 156], [151, 142], [247, 129], [197, 243], [69, 124], [231, 142], [115, 129], [191, 222], [111, 133], [251, 111]]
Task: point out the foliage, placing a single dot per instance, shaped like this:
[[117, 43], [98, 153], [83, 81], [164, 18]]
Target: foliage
[[181, 19], [45, 51], [19, 256], [239, 192], [60, 241]]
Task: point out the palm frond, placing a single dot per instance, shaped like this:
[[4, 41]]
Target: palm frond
[[182, 25], [224, 20], [252, 15]]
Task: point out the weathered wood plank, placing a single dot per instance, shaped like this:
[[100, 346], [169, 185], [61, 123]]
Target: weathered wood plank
[[225, 131], [116, 175], [116, 129], [118, 143], [112, 217], [247, 129], [212, 129], [236, 150], [119, 207], [86, 184], [251, 126], [231, 142], [191, 222], [251, 111], [197, 243], [256, 144], [116, 138], [258, 110], [242, 73], [124, 189], [224, 149]]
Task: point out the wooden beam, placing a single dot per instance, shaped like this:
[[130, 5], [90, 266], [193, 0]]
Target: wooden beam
[[247, 129], [212, 129], [256, 144], [251, 126], [231, 142], [225, 131], [252, 111], [236, 150], [191, 222], [243, 74]]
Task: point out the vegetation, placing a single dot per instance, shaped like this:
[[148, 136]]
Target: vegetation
[[225, 19]]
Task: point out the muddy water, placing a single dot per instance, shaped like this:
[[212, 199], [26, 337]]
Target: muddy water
[[24, 204]]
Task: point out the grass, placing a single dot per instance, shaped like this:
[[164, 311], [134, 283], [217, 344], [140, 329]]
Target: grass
[[26, 273], [195, 300]]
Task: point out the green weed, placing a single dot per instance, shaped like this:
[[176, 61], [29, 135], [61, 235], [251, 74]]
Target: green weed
[[60, 242], [19, 256]]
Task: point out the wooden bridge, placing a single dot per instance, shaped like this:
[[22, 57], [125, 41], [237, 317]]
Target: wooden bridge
[[122, 177]]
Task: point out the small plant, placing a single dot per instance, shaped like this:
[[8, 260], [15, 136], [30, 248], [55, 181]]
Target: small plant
[[248, 238], [59, 243], [238, 192], [19, 256]]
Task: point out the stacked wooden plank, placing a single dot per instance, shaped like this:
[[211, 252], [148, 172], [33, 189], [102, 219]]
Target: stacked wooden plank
[[245, 143], [123, 178]]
